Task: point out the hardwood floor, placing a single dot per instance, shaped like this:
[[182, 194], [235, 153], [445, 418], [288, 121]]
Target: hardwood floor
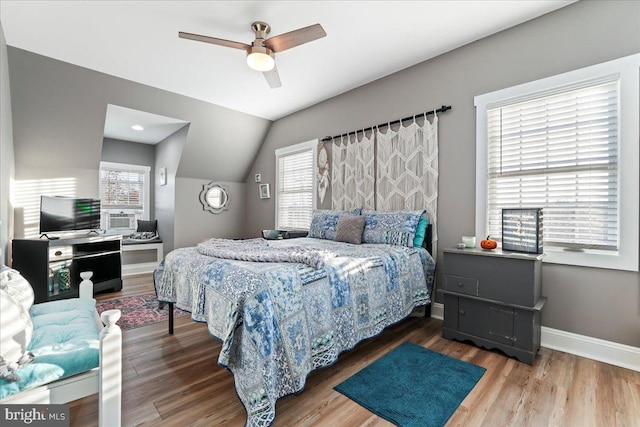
[[175, 381]]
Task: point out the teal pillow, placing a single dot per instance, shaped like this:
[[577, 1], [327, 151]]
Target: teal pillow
[[421, 231]]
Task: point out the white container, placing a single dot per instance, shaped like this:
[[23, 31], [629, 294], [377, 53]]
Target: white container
[[469, 241]]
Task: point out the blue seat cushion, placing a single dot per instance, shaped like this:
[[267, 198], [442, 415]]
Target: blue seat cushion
[[65, 342]]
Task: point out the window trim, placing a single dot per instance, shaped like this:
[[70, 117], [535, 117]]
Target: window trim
[[146, 207], [628, 68], [292, 149]]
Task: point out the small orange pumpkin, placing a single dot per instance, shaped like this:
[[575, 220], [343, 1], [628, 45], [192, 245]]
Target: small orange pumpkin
[[488, 243]]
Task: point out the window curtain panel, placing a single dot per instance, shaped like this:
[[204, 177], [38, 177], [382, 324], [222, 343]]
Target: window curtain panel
[[407, 170], [353, 172]]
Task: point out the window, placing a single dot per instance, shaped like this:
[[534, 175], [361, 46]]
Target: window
[[567, 144], [295, 185], [124, 194]]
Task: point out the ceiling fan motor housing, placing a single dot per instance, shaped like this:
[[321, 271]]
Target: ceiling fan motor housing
[[261, 29], [260, 57]]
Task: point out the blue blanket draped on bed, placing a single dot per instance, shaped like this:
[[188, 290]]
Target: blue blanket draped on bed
[[280, 321]]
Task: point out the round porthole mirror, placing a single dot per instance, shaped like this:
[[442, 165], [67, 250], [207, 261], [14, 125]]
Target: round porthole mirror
[[214, 197]]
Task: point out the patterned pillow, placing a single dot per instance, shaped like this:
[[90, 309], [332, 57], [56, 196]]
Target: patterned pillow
[[13, 283], [16, 330], [325, 222], [393, 228], [349, 229]]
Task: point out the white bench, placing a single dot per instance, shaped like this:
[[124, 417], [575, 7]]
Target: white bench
[[141, 258], [106, 379]]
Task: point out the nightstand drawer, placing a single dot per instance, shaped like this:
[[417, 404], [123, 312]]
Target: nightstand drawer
[[460, 284], [507, 279]]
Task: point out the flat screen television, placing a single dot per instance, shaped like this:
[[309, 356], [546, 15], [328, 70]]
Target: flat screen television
[[68, 214]]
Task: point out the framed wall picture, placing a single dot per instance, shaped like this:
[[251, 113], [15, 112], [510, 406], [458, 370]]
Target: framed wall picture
[[264, 191], [163, 175], [522, 230]]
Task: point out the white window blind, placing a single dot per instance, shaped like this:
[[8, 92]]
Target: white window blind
[[122, 189], [558, 151], [295, 190]]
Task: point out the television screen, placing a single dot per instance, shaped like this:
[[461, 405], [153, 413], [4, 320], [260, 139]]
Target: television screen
[[68, 214]]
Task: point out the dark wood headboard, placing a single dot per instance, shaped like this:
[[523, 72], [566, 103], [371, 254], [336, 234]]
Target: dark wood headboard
[[428, 237]]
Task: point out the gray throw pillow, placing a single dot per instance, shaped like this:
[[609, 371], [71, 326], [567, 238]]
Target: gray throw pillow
[[147, 226], [349, 229]]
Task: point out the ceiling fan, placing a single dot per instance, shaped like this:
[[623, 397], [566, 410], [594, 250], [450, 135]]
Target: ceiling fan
[[261, 53]]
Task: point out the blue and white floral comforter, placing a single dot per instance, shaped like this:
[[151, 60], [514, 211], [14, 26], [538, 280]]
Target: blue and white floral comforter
[[280, 321]]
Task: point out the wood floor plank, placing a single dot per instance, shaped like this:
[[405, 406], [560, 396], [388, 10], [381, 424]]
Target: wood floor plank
[[175, 381], [582, 393], [486, 390]]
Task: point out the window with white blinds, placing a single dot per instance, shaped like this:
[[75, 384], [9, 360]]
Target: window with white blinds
[[567, 144], [295, 186], [124, 189], [558, 151]]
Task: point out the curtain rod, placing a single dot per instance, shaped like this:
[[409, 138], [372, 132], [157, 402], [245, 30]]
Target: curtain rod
[[428, 113]]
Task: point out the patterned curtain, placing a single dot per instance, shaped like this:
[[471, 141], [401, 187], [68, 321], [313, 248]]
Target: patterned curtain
[[407, 170], [352, 173]]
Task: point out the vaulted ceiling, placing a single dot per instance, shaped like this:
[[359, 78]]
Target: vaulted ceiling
[[366, 40]]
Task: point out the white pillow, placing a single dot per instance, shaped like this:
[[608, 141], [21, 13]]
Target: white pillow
[[16, 330], [12, 282]]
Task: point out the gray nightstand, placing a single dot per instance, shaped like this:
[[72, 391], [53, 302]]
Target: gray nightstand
[[492, 298]]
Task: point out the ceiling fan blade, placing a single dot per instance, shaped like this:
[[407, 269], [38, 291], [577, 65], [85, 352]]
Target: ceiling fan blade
[[213, 40], [273, 78], [295, 38]]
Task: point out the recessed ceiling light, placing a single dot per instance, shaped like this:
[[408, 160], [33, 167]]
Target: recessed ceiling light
[[137, 127]]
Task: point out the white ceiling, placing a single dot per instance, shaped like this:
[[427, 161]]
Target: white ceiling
[[366, 40], [119, 121]]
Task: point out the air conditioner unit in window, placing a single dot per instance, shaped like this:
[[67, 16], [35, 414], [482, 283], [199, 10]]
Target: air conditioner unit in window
[[122, 221]]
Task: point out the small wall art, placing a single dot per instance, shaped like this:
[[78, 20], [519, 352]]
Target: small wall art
[[162, 174], [323, 172], [264, 191]]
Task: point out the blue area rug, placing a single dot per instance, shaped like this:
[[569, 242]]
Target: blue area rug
[[413, 386]]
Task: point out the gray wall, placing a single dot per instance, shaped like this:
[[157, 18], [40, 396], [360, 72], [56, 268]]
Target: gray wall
[[226, 224], [6, 154], [60, 108], [599, 303], [58, 121], [168, 154], [132, 153]]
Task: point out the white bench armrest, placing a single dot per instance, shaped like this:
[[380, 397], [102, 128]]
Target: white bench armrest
[[110, 380], [86, 286]]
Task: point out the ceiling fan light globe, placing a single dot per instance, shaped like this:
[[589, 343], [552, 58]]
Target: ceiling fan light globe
[[260, 61]]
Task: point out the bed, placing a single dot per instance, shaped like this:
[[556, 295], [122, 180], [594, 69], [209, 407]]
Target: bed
[[284, 308]]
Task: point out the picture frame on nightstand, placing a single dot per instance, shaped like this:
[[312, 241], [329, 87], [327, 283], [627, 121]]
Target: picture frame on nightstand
[[522, 230]]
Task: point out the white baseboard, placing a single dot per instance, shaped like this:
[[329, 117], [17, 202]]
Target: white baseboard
[[609, 352], [437, 310], [135, 269]]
